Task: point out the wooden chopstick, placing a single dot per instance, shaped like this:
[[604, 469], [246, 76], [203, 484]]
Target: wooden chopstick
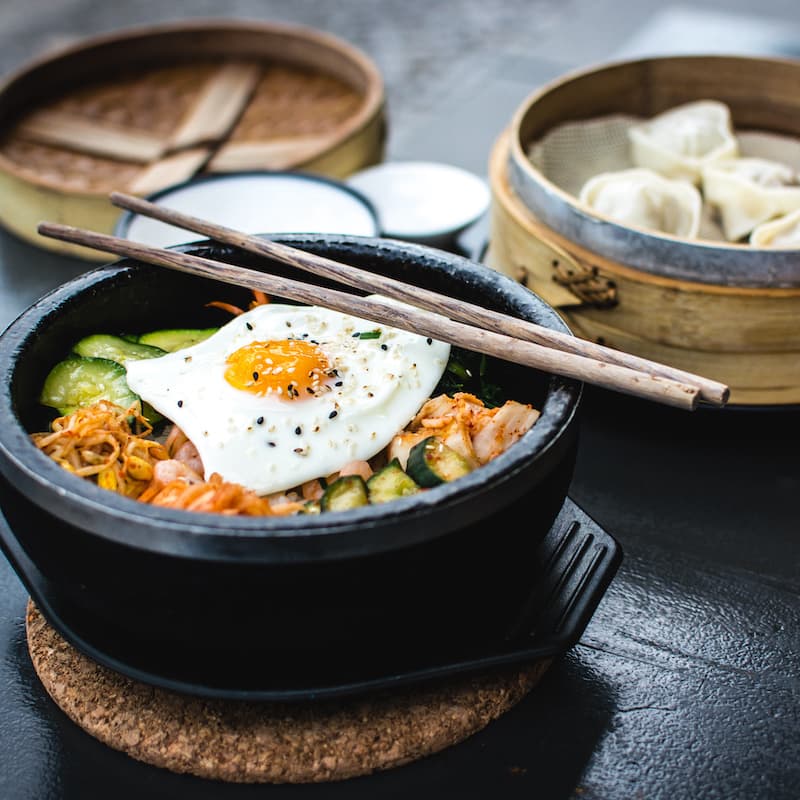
[[710, 391], [398, 315]]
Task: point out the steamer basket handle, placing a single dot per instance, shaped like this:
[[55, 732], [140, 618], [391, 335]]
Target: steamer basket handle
[[559, 278], [520, 248]]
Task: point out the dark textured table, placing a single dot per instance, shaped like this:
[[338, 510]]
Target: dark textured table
[[686, 682]]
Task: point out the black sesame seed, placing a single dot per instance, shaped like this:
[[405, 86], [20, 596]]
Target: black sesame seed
[[298, 430], [338, 383], [260, 421], [249, 326], [309, 390], [429, 340], [384, 347], [356, 335], [180, 403], [255, 376], [333, 414], [270, 444]]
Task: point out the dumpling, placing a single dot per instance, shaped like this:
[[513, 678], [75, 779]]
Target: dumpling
[[644, 199], [781, 232], [749, 191], [679, 142]]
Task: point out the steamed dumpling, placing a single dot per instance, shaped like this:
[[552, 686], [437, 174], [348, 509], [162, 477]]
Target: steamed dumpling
[[679, 142], [749, 191], [644, 199], [781, 232]]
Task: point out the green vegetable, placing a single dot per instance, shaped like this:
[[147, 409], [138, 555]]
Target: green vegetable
[[467, 371], [431, 462], [172, 339], [311, 507], [115, 348], [79, 381], [344, 493], [390, 483]]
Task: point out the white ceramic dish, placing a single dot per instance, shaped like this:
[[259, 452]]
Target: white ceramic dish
[[256, 202], [423, 201]]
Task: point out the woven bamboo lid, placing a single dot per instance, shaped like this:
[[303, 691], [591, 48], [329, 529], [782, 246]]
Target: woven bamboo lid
[[146, 108]]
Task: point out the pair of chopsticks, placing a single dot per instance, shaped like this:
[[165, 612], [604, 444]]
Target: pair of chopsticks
[[423, 311]]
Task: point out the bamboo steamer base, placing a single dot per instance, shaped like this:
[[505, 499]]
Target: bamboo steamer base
[[748, 338]]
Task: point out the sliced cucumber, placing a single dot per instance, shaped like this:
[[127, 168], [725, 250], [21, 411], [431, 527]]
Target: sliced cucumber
[[115, 348], [431, 462], [176, 338], [390, 483], [344, 493], [78, 381]]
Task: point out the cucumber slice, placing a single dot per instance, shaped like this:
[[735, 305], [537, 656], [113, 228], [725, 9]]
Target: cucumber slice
[[78, 381], [177, 338], [115, 348], [431, 462], [390, 483], [346, 492]]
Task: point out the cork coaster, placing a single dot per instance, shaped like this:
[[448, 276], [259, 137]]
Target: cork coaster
[[269, 742]]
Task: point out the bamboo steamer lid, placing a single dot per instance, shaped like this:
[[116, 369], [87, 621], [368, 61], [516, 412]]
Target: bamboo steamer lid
[[142, 109], [728, 311]]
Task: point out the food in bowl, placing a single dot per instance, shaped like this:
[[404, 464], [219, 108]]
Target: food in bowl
[[679, 142], [746, 192], [285, 409], [299, 598], [642, 197], [641, 172], [781, 232]]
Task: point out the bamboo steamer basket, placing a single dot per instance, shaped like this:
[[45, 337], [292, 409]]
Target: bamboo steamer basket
[[728, 311], [145, 108]]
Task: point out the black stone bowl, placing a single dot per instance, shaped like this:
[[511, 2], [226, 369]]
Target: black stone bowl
[[445, 572]]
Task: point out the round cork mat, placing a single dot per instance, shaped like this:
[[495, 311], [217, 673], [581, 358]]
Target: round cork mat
[[245, 742]]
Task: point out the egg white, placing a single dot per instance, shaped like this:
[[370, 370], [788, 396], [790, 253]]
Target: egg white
[[269, 443]]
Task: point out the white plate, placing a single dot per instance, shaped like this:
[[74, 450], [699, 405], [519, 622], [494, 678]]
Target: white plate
[[256, 202], [422, 201]]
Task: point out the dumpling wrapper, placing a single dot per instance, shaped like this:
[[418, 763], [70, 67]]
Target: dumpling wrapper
[[642, 198], [781, 232], [677, 143], [748, 192]]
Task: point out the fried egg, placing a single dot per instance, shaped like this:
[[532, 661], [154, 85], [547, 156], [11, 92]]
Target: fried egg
[[283, 394]]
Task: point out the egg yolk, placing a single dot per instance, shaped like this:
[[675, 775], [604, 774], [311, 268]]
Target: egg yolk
[[289, 368]]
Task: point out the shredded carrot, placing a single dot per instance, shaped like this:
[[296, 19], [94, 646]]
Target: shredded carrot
[[235, 310], [259, 299]]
